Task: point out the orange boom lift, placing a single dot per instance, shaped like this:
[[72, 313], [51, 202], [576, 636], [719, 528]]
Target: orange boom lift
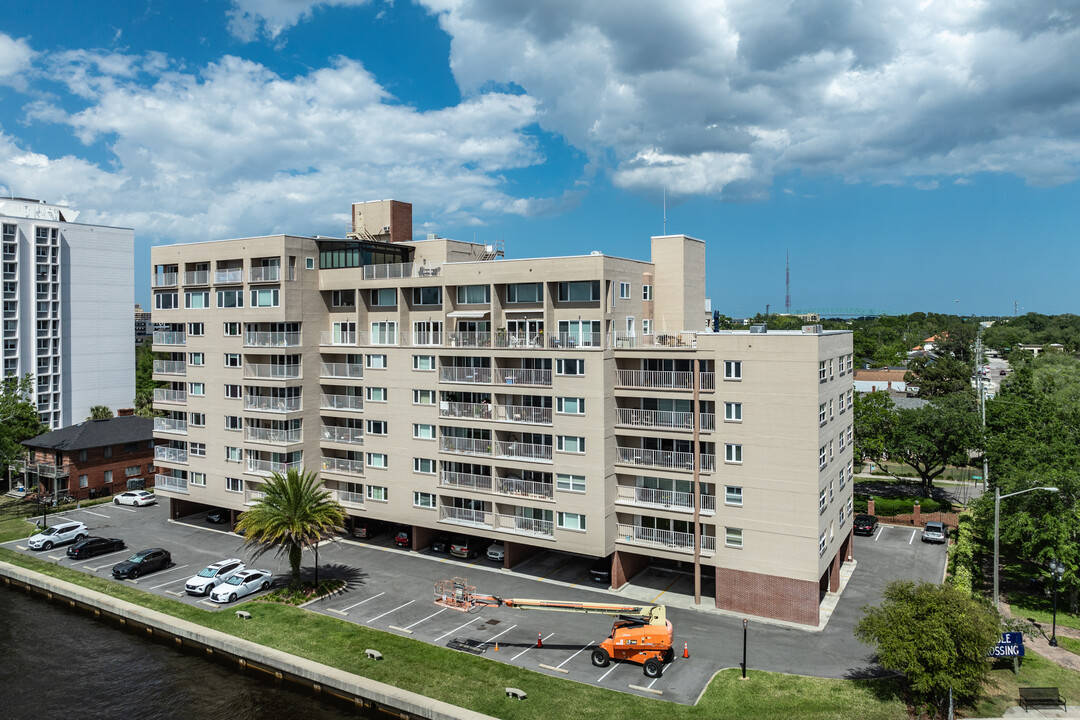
[[642, 634]]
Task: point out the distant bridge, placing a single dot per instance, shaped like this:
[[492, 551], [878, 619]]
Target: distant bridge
[[841, 312]]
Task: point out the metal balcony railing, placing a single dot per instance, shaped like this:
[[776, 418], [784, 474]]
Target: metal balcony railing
[[273, 436], [561, 341], [170, 425], [341, 402], [469, 339], [266, 403], [523, 414], [478, 375], [267, 273], [655, 498], [271, 339], [467, 446], [168, 483], [162, 280], [256, 465], [165, 395], [465, 516], [229, 276], [519, 340], [170, 367], [352, 371], [651, 537], [663, 419], [523, 376], [522, 451], [348, 338], [337, 433], [269, 371], [656, 458], [467, 481], [656, 379], [197, 277], [162, 337], [524, 525], [165, 453], [252, 497], [343, 465], [524, 488], [471, 411], [349, 498]]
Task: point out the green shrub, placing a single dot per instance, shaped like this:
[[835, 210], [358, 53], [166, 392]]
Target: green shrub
[[962, 554], [889, 507]]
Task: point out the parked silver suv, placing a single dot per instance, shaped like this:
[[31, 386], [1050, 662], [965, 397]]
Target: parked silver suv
[[213, 575], [935, 532], [58, 534]]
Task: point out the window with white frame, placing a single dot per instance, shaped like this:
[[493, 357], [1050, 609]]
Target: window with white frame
[[733, 412], [197, 419], [427, 296], [309, 263], [821, 544], [840, 437], [230, 299], [733, 537], [423, 397], [195, 329], [108, 476], [821, 414], [343, 298], [646, 292], [830, 409], [84, 481], [197, 300], [376, 394], [570, 443], [376, 427], [570, 405], [849, 398], [424, 465], [197, 449], [851, 434], [831, 495], [423, 500], [233, 454], [376, 460], [646, 326], [234, 391], [376, 362], [234, 484], [196, 389], [231, 329], [166, 301], [569, 366], [732, 453], [196, 359], [375, 492], [840, 402], [423, 362], [423, 431], [821, 504], [197, 478], [849, 358], [234, 422], [384, 297], [384, 333], [821, 371], [264, 297], [732, 495], [843, 478], [473, 294], [733, 369], [624, 291], [570, 483], [821, 457], [570, 521], [830, 450], [841, 516], [232, 360], [849, 510]]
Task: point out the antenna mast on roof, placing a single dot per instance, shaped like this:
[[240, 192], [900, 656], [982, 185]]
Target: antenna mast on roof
[[787, 282], [665, 209]]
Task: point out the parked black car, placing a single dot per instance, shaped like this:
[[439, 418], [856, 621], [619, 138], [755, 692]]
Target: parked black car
[[865, 524], [601, 570], [142, 562], [440, 544], [92, 546], [218, 516]]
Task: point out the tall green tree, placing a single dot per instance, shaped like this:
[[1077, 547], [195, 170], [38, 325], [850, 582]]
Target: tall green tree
[[930, 438], [144, 380], [18, 418], [100, 412], [873, 422], [939, 377], [295, 512], [937, 636]]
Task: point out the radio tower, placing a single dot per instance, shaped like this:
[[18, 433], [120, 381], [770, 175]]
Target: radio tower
[[787, 282]]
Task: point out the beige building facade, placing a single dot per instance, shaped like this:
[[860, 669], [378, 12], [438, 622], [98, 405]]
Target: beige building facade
[[557, 403]]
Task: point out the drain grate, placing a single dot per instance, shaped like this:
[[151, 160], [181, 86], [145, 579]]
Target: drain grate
[[474, 647]]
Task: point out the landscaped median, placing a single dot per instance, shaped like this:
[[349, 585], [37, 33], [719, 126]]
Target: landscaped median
[[478, 683]]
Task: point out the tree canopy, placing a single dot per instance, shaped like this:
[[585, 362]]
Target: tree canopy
[[100, 412], [939, 377], [144, 381], [930, 438], [18, 418]]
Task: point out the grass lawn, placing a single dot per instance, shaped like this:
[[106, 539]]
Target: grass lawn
[[15, 529], [1036, 671], [1028, 599], [1070, 644], [477, 683]]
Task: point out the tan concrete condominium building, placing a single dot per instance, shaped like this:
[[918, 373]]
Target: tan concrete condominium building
[[574, 404]]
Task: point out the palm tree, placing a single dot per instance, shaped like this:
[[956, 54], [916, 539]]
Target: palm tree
[[294, 512], [100, 412]]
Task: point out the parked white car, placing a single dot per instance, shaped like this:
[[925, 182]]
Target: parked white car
[[135, 497], [213, 575], [496, 551], [58, 534], [242, 583]]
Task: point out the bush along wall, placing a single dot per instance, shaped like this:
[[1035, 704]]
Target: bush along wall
[[888, 507], [962, 554]]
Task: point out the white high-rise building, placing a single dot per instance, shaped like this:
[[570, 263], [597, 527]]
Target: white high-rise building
[[68, 290]]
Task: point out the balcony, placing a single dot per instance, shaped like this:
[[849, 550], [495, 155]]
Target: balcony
[[564, 341], [708, 463], [505, 339], [47, 470], [172, 484], [465, 446], [389, 271], [524, 526], [229, 276], [253, 497], [271, 339], [523, 376], [522, 451], [164, 395], [170, 425], [349, 498], [465, 516], [340, 434], [655, 498], [266, 273], [352, 371], [523, 414], [197, 277], [170, 454], [345, 338], [342, 466], [266, 403], [267, 371], [517, 487], [273, 436], [267, 467], [465, 481], [470, 411], [656, 458], [474, 375], [655, 379], [708, 422], [163, 337], [163, 280], [469, 339], [170, 367], [353, 403], [651, 537], [708, 380], [659, 419], [685, 340]]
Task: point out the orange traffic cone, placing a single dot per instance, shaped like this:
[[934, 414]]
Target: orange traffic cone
[[496, 646], [686, 651], [539, 641]]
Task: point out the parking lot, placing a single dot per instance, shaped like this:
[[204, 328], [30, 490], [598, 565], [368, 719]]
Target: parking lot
[[391, 589]]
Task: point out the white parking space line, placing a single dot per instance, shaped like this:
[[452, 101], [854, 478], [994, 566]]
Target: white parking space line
[[470, 622], [390, 611], [503, 633], [613, 666], [125, 509], [346, 610], [171, 582], [91, 512], [528, 648], [99, 557], [407, 627], [162, 572], [574, 655], [881, 529], [911, 538]]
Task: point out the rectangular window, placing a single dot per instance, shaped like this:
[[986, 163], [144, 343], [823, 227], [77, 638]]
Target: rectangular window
[[821, 414], [840, 402], [570, 483], [197, 300], [473, 294], [84, 480], [108, 476], [230, 299], [376, 460], [423, 362], [821, 544], [234, 422], [733, 412], [624, 291], [733, 537], [233, 454], [232, 329], [232, 360], [267, 297], [581, 291], [570, 406], [133, 470], [427, 296], [423, 500], [107, 452], [197, 449], [197, 419], [424, 465], [376, 362], [843, 478], [234, 485], [821, 502], [646, 292], [376, 427], [570, 443], [821, 371], [196, 359], [831, 374], [841, 439], [525, 293], [733, 369], [821, 457], [384, 333], [343, 298], [646, 326], [196, 388], [195, 329], [423, 397], [830, 450], [732, 495], [165, 301], [376, 394], [309, 263], [423, 431], [234, 391], [569, 366], [82, 456], [732, 453], [384, 297], [570, 521], [197, 478], [851, 434]]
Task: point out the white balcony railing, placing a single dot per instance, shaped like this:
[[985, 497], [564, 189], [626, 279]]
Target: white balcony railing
[[480, 375], [708, 381], [347, 337], [165, 395], [160, 280], [656, 379], [164, 453], [341, 402], [708, 503], [655, 498], [656, 458], [519, 340], [471, 411], [524, 488], [523, 414], [523, 376], [266, 403], [389, 271], [560, 341], [170, 367], [273, 436], [522, 451], [343, 465], [256, 465], [708, 545], [466, 446], [169, 483], [708, 463], [268, 371], [353, 371], [197, 277], [651, 537], [169, 337], [469, 339], [170, 425], [349, 498], [524, 525], [665, 419], [229, 276], [465, 516], [340, 434], [271, 339], [268, 273], [467, 481], [251, 497], [708, 421], [681, 340]]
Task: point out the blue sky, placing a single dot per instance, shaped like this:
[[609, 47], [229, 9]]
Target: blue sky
[[908, 155]]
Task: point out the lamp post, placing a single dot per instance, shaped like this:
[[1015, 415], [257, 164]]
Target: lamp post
[[998, 497], [744, 648], [1057, 570]]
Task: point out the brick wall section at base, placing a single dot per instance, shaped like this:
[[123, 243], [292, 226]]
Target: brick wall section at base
[[950, 519], [422, 537], [767, 596], [515, 552], [625, 565]]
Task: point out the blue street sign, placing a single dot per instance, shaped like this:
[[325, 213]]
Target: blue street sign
[[1011, 645]]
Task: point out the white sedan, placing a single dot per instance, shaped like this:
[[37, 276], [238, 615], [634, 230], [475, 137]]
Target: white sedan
[[135, 497], [241, 584]]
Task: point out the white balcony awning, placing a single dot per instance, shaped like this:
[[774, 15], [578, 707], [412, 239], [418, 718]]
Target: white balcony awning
[[468, 313]]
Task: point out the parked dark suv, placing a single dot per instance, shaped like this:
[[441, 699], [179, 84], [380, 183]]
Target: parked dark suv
[[865, 524]]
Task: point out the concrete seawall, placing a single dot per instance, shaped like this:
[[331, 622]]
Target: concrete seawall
[[320, 678]]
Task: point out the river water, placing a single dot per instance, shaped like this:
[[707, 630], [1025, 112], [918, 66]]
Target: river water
[[59, 663]]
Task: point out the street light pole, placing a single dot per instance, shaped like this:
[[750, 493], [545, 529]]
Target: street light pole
[[998, 497], [744, 648], [1057, 570]]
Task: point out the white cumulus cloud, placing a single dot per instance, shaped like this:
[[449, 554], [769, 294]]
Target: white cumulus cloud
[[248, 19]]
